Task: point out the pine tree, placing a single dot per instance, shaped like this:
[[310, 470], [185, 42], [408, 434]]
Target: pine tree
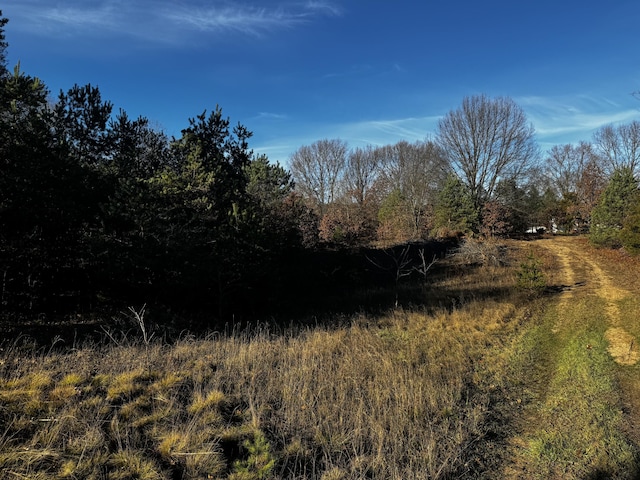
[[613, 208], [630, 233], [3, 46], [455, 210]]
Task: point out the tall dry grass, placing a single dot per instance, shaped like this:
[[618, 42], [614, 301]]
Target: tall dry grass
[[411, 394]]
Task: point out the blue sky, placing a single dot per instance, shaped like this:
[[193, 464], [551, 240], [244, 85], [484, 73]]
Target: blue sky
[[365, 71]]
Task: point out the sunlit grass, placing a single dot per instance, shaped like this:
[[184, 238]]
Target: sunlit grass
[[387, 400], [579, 432]]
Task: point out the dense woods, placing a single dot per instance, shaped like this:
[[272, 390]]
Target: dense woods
[[100, 211]]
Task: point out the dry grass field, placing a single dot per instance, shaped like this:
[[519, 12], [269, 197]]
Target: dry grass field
[[486, 379]]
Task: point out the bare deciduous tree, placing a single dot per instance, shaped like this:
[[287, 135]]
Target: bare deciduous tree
[[352, 217], [416, 170], [590, 186], [619, 146], [317, 170], [565, 165], [487, 140], [363, 165]]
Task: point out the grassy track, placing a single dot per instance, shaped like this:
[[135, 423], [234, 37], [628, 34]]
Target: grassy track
[[576, 426]]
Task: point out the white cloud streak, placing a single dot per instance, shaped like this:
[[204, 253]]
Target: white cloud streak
[[557, 120], [250, 21], [384, 132], [161, 20], [36, 17], [560, 120], [324, 7], [270, 116], [356, 134]]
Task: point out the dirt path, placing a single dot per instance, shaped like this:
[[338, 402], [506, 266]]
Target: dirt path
[[566, 416], [583, 275]]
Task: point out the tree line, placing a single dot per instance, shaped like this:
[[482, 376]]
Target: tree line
[[481, 174], [101, 211]]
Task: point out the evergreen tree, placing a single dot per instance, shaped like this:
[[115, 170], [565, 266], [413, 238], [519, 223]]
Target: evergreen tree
[[615, 204], [221, 151], [81, 119], [273, 226], [3, 46], [455, 210], [630, 234], [43, 201], [535, 205], [127, 236], [201, 223], [137, 150], [268, 184]]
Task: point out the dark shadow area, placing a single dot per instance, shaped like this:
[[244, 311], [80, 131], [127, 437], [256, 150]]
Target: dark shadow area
[[564, 288], [304, 287]]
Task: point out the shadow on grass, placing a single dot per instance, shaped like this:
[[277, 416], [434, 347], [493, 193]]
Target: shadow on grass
[[323, 287]]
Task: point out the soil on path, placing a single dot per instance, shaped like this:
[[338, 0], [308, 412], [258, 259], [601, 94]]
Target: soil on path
[[583, 275]]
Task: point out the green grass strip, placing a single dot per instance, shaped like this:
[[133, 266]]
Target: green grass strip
[[579, 431]]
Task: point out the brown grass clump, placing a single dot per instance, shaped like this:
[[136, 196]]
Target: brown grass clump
[[397, 400]]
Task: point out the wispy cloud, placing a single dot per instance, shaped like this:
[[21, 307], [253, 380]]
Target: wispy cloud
[[76, 17], [575, 118], [161, 20], [270, 116], [356, 134], [557, 120], [324, 7], [384, 132], [38, 17], [248, 20]]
